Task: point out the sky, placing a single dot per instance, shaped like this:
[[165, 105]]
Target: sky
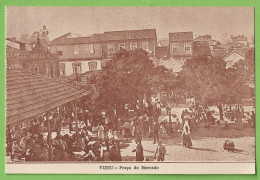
[[215, 21]]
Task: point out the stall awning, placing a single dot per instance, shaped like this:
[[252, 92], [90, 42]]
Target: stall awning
[[29, 95]]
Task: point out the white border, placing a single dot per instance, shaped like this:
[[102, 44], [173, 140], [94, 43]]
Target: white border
[[163, 168]]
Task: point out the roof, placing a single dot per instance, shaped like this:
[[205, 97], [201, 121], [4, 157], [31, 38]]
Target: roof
[[181, 36], [162, 52], [29, 95], [219, 52], [106, 36], [163, 42], [69, 39], [38, 48], [232, 45], [11, 49], [16, 41], [241, 51], [130, 34], [201, 48]]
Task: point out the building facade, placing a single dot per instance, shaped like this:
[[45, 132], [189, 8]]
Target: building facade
[[115, 41], [78, 54], [38, 60], [181, 47]]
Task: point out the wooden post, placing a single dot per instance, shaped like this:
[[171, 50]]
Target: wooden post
[[76, 121], [49, 137]]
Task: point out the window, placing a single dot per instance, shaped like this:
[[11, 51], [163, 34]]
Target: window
[[35, 69], [76, 68], [145, 46], [110, 48], [54, 70], [175, 47], [92, 66], [187, 47], [59, 51], [48, 69], [91, 49], [62, 69], [121, 46], [76, 50], [133, 46]]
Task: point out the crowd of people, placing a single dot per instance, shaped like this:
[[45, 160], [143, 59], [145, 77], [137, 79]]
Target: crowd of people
[[100, 135]]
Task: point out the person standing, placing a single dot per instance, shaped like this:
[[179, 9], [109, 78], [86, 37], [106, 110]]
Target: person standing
[[253, 119], [160, 152], [156, 128], [101, 134], [186, 137], [139, 151]]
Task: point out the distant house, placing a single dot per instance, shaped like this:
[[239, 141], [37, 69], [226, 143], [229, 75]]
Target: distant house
[[181, 44], [163, 43], [181, 47], [235, 56], [207, 38], [115, 41], [239, 39], [201, 49]]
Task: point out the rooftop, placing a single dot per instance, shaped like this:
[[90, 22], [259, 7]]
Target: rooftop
[[201, 48], [70, 39], [106, 36], [181, 36], [29, 95], [130, 34]]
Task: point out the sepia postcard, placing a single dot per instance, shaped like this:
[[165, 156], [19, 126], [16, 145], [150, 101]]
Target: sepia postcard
[[130, 90]]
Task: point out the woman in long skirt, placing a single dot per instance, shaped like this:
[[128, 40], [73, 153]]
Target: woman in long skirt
[[186, 137], [101, 134]]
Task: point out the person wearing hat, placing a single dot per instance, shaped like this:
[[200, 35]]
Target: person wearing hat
[[139, 150], [156, 128], [160, 152]]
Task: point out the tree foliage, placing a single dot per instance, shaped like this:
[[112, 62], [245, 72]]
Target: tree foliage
[[131, 76], [210, 82], [42, 34]]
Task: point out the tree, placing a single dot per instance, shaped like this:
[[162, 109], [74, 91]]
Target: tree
[[42, 34], [130, 76], [210, 82]]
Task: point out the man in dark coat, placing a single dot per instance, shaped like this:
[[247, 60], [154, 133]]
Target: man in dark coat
[[156, 128], [139, 151]]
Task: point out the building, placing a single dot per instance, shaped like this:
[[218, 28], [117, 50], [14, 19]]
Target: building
[[212, 43], [181, 47], [239, 39], [163, 42], [235, 56], [201, 49], [11, 42], [181, 44], [114, 41], [38, 60], [78, 54]]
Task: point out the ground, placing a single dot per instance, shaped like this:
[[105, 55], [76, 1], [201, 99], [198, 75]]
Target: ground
[[203, 150], [207, 146]]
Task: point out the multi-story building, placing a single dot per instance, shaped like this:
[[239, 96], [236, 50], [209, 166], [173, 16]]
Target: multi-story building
[[78, 54], [181, 44], [181, 47], [114, 41]]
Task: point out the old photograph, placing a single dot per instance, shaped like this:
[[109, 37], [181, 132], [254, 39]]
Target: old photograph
[[138, 90]]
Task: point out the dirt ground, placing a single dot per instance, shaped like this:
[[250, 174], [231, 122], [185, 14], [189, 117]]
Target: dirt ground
[[207, 147]]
